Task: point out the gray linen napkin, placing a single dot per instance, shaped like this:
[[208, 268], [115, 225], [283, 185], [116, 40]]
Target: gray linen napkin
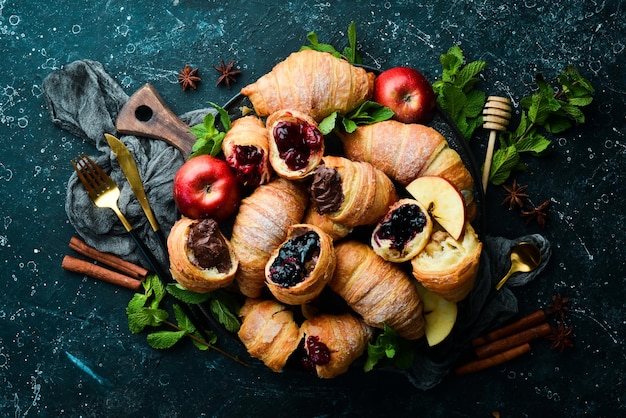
[[83, 99]]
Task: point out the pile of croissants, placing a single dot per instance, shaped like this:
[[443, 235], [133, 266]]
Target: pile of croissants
[[363, 184]]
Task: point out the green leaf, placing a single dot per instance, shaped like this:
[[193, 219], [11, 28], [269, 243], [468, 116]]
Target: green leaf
[[327, 124], [349, 125], [139, 319], [164, 339], [183, 320], [158, 290], [467, 74], [475, 103], [224, 315], [185, 295], [224, 117], [389, 346], [533, 143], [505, 160]]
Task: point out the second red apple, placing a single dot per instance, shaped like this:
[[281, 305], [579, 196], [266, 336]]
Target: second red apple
[[205, 187], [407, 92]]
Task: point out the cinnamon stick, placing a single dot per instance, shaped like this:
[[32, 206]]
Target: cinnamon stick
[[511, 341], [526, 322], [495, 360], [111, 260], [76, 265]]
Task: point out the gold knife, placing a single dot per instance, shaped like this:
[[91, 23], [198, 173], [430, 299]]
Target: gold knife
[[129, 168]]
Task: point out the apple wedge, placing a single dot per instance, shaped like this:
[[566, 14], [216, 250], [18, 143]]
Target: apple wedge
[[443, 200], [439, 315]]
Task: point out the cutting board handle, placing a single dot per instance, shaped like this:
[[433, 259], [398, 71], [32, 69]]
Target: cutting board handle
[[146, 114]]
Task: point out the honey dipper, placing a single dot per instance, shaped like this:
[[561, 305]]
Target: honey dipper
[[496, 117]]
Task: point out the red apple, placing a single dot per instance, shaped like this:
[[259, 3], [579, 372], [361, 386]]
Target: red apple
[[407, 92], [205, 187]]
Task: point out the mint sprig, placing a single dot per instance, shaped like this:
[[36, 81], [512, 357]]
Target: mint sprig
[[457, 93], [389, 347], [145, 311], [349, 52], [544, 112], [209, 137], [366, 114]]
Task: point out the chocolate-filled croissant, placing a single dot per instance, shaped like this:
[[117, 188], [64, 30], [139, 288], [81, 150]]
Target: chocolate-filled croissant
[[351, 193], [378, 290], [300, 268], [315, 83], [201, 258], [333, 342], [296, 144], [261, 226], [269, 332], [246, 149]]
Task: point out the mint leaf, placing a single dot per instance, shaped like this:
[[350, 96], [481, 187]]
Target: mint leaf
[[350, 52], [164, 339], [327, 124], [141, 318], [505, 160], [224, 315], [185, 295], [533, 143], [389, 347], [209, 138]]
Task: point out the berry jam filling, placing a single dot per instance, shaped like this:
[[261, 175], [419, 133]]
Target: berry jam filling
[[295, 258], [296, 142], [247, 161], [403, 225], [317, 353]]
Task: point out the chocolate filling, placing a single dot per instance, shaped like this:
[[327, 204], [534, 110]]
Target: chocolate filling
[[326, 190], [208, 246]]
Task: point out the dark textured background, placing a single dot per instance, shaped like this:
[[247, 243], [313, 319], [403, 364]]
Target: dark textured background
[[46, 315]]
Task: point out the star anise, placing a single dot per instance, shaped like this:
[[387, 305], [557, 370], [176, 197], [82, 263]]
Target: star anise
[[538, 214], [559, 306], [515, 195], [561, 337], [227, 73], [188, 78]]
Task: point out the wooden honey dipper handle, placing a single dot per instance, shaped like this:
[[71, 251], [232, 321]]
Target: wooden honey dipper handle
[[496, 117]]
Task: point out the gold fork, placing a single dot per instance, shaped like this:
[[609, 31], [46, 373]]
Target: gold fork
[[102, 190], [105, 193]]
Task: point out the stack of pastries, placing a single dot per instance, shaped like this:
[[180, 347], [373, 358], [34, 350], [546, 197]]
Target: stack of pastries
[[298, 232]]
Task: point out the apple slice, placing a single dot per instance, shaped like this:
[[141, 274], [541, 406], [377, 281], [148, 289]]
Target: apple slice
[[443, 200], [439, 315]]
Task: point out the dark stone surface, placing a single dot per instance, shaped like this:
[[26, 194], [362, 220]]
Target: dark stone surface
[[52, 322]]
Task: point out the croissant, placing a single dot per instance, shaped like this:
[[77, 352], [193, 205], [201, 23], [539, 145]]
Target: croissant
[[300, 268], [449, 267], [246, 149], [403, 232], [407, 151], [269, 332], [261, 226], [333, 342], [351, 193], [379, 291], [334, 229], [296, 145], [201, 258], [315, 83]]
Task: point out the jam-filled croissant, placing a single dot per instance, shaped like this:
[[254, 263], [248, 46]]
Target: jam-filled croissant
[[269, 332], [333, 342], [407, 151], [300, 268], [201, 258], [403, 232], [380, 291], [261, 226], [351, 193], [296, 144], [246, 149], [315, 83], [449, 267]]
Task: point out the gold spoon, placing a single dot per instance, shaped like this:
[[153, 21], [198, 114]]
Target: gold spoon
[[525, 257]]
